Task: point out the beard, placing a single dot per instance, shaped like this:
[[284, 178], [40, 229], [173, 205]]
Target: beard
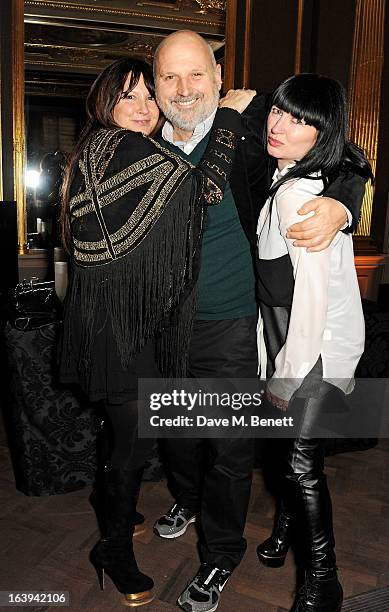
[[187, 119]]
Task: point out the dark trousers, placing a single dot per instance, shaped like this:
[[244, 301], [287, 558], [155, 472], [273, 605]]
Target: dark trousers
[[118, 442], [121, 459], [213, 476], [306, 493], [124, 449]]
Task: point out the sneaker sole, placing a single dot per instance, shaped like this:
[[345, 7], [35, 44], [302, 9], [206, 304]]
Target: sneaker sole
[[188, 608], [171, 536]]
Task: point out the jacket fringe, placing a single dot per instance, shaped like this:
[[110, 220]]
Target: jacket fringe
[[148, 293]]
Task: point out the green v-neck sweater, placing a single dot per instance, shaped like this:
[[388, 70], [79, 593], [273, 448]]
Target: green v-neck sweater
[[226, 285]]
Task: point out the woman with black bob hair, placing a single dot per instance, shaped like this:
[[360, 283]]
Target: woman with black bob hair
[[132, 220], [311, 327]]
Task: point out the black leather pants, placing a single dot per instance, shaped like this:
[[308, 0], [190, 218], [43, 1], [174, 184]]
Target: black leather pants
[[306, 495], [299, 462]]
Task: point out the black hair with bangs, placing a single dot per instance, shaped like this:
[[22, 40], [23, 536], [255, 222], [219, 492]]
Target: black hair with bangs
[[321, 102]]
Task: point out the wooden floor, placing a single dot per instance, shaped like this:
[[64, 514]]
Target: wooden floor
[[45, 541]]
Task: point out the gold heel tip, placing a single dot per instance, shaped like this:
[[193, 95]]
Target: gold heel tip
[[133, 600], [139, 529]]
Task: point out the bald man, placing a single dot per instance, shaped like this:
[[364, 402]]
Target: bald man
[[211, 478]]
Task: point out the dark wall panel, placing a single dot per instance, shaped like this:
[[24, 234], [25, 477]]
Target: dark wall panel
[[332, 38], [273, 42], [8, 246], [327, 39]]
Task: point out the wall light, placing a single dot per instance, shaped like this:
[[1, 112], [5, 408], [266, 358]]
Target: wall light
[[32, 178]]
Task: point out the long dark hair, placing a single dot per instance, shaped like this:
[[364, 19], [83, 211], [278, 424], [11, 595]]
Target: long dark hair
[[321, 102], [100, 103]]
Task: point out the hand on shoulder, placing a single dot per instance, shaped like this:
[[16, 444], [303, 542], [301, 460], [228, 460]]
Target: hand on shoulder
[[237, 99]]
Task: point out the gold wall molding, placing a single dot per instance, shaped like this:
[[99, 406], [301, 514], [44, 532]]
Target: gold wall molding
[[172, 6], [247, 44], [54, 91], [18, 120], [236, 22], [365, 90], [103, 10], [209, 5], [299, 34], [74, 54], [63, 64], [1, 138]]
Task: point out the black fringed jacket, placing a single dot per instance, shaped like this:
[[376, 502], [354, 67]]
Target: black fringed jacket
[[136, 216]]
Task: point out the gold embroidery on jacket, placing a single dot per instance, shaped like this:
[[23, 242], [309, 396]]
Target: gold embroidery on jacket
[[159, 174]]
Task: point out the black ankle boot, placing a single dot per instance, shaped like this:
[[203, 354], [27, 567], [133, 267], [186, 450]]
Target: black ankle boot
[[114, 553], [322, 592], [272, 552]]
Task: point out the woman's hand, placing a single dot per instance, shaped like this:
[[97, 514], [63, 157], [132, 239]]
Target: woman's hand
[[237, 99]]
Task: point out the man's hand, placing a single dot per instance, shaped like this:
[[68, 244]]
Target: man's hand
[[318, 231], [237, 99]]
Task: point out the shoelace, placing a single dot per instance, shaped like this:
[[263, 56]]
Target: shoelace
[[207, 577], [173, 512]]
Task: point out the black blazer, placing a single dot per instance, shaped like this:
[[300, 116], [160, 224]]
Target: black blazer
[[250, 176]]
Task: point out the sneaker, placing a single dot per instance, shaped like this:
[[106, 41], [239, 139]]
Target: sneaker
[[203, 593], [174, 523]]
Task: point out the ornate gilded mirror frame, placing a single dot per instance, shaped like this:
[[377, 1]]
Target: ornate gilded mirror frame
[[12, 112], [142, 24]]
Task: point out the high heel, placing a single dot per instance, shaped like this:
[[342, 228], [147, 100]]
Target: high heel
[[117, 560], [113, 554], [100, 576], [272, 552]]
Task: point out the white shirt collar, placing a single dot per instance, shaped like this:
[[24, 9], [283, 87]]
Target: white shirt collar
[[278, 173], [200, 131]]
